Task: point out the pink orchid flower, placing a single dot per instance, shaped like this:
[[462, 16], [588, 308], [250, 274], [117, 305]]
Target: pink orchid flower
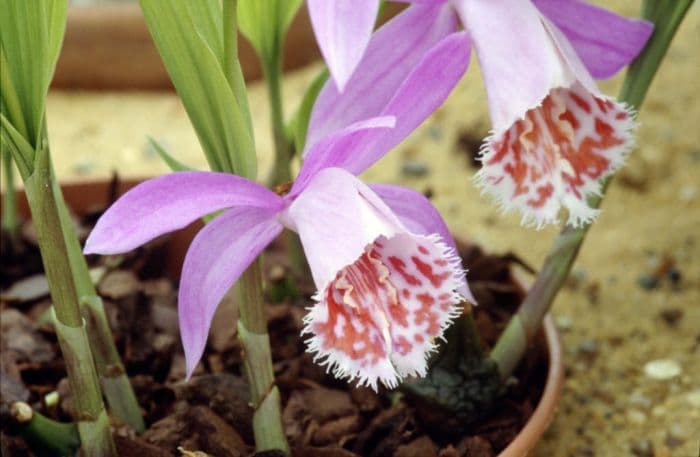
[[554, 134], [382, 259]]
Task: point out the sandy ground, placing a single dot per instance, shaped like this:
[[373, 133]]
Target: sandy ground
[[611, 325]]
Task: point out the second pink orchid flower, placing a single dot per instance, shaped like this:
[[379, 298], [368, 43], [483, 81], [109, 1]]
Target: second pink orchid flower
[[555, 135]]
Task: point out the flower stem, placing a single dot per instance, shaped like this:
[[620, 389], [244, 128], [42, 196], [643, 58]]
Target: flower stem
[[93, 424], [514, 340], [252, 325], [257, 359], [281, 172], [667, 16], [284, 150]]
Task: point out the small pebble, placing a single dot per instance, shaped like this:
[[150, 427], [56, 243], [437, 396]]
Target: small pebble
[[635, 416], [642, 447], [588, 348], [658, 411], [688, 193], [435, 133], [676, 435], [671, 316], [648, 282], [662, 369], [414, 168], [674, 276], [694, 398], [640, 401], [84, 166], [564, 323]]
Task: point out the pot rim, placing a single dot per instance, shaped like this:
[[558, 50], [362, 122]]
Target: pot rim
[[541, 418]]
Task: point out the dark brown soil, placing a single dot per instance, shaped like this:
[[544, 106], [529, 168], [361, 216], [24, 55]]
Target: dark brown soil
[[322, 416]]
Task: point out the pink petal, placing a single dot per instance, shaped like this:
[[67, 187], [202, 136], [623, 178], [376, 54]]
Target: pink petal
[[170, 202], [396, 57], [337, 149], [421, 93], [556, 155], [215, 260], [336, 217], [343, 29], [420, 217], [603, 40]]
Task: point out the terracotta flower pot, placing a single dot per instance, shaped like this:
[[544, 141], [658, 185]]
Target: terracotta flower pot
[[535, 427], [87, 196]]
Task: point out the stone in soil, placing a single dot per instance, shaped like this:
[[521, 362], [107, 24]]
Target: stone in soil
[[642, 447], [18, 335], [414, 168], [119, 284], [671, 316], [662, 369], [694, 398], [476, 446], [648, 282], [27, 289], [320, 416], [227, 395], [197, 428], [420, 447], [676, 435]]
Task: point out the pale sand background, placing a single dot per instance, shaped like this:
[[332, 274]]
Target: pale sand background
[[608, 403]]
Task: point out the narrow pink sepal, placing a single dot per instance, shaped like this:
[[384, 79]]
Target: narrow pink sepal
[[339, 149], [343, 29], [603, 40], [217, 257], [171, 202], [392, 54]]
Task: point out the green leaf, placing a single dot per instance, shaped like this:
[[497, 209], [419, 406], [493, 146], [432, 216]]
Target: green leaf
[[189, 38], [265, 22], [299, 124], [31, 33], [172, 162], [12, 142]]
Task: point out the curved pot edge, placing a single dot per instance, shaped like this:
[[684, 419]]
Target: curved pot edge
[[538, 423]]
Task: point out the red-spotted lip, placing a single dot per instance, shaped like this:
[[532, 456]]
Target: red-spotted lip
[[377, 321], [555, 156]]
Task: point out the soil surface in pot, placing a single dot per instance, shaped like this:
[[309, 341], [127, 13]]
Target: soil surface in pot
[[322, 416]]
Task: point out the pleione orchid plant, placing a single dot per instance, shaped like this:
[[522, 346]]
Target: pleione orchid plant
[[387, 273]]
